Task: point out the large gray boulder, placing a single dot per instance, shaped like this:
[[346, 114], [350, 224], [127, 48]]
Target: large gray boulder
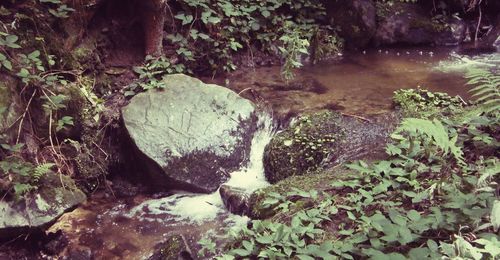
[[190, 135], [409, 23], [40, 208], [356, 19]]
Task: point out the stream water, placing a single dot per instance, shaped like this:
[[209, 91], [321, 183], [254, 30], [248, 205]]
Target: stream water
[[360, 83]]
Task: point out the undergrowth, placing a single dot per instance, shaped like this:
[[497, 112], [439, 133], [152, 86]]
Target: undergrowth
[[52, 94], [435, 197]]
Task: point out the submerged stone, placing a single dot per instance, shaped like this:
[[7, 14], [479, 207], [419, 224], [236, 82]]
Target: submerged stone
[[190, 135], [39, 209], [174, 248]]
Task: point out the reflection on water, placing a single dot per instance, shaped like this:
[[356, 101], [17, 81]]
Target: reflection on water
[[362, 83]]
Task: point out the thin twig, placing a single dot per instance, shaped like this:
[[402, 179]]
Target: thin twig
[[358, 117], [23, 116], [239, 93], [53, 148], [478, 24]]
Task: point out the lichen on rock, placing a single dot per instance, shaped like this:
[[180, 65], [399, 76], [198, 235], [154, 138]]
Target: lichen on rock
[[190, 135], [36, 210]]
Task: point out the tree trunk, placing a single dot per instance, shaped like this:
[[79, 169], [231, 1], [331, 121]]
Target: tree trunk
[[153, 19]]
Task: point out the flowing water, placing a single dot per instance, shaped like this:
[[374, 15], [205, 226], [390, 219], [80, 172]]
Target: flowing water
[[130, 229], [360, 83]]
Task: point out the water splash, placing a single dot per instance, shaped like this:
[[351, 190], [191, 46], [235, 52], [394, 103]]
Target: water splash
[[198, 208], [252, 176]]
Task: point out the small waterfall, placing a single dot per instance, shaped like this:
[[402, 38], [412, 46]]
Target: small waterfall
[[203, 207]]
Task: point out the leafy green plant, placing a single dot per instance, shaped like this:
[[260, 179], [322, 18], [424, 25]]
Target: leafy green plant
[[434, 197], [20, 176], [294, 47], [151, 74], [486, 88], [422, 103], [208, 34]]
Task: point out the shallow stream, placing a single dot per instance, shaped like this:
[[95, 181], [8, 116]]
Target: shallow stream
[[361, 83]]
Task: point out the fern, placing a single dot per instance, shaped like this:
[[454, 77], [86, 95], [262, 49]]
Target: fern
[[41, 170], [434, 130], [487, 88]]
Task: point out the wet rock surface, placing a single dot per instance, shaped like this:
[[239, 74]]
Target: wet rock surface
[[323, 139], [356, 19], [190, 135], [174, 248], [235, 199], [35, 212], [406, 23]]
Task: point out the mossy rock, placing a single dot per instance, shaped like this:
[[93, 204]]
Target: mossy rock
[[41, 207], [421, 103], [318, 180], [301, 148]]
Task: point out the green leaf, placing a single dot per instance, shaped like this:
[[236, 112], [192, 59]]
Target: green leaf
[[413, 215], [495, 214], [304, 257], [241, 252], [264, 239]]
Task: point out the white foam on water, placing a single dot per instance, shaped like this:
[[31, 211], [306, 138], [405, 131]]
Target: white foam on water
[[461, 63], [187, 206], [203, 207]]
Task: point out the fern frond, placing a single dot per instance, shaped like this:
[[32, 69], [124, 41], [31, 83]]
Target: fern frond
[[487, 88], [434, 130], [41, 170]]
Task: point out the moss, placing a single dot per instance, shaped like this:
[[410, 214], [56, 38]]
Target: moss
[[422, 103], [85, 55], [428, 25], [171, 249], [302, 147], [317, 180]]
